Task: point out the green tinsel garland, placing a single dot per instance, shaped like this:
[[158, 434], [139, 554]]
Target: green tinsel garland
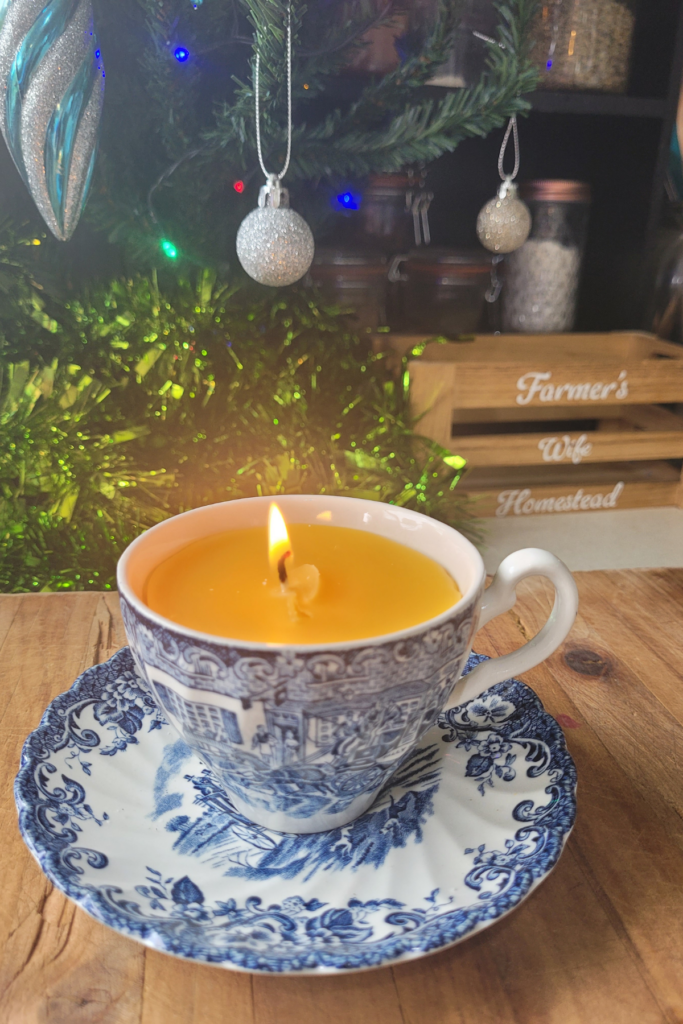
[[131, 405]]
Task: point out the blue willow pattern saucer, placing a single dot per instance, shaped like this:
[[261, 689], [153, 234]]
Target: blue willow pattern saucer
[[126, 821]]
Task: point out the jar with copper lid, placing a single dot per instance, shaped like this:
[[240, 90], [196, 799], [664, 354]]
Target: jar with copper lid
[[356, 281], [542, 276], [444, 291], [583, 44]]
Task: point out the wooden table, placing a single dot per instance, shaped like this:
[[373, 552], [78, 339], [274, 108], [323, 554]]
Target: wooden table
[[600, 942]]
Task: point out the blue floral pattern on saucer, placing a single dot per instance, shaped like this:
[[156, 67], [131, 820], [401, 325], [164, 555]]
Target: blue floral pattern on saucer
[[125, 820]]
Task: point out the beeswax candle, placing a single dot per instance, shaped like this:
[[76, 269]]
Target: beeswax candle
[[227, 585]]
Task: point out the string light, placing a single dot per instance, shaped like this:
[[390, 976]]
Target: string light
[[169, 249], [181, 54], [348, 201], [238, 186]]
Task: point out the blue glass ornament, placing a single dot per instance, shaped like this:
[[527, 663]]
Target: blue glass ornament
[[51, 95]]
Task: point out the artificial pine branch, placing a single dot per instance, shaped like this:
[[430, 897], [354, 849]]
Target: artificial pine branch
[[194, 152], [363, 139]]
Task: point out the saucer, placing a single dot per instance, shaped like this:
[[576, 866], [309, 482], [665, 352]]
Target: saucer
[[129, 824]]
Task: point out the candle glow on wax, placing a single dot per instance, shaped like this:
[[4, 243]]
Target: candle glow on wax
[[337, 584]]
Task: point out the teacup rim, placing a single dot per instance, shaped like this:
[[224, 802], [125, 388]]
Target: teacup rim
[[144, 611]]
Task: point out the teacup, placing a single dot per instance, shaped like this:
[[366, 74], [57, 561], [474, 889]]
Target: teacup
[[302, 738]]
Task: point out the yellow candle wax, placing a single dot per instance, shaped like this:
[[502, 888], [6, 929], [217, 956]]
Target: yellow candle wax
[[368, 585]]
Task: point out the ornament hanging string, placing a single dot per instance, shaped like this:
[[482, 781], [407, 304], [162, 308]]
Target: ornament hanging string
[[511, 128], [504, 222], [274, 244], [277, 177]]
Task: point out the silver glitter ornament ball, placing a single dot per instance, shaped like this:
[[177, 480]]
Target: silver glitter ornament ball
[[505, 222], [274, 244]]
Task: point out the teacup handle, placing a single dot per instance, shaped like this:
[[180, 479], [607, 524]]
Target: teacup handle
[[500, 597]]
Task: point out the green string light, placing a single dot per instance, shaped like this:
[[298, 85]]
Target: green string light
[[169, 249]]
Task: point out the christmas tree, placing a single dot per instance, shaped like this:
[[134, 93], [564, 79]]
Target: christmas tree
[[126, 400], [179, 127]]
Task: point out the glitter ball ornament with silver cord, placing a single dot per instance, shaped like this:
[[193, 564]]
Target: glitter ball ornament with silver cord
[[274, 244], [51, 95], [504, 222]]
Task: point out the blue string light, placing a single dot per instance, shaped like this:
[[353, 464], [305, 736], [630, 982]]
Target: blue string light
[[348, 201], [181, 54]]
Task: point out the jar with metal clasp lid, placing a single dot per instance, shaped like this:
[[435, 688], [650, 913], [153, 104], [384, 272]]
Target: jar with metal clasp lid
[[385, 213], [354, 280], [446, 291]]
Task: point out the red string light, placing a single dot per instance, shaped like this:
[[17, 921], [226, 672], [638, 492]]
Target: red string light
[[239, 186]]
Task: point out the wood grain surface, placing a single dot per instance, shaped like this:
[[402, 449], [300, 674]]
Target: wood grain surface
[[600, 942]]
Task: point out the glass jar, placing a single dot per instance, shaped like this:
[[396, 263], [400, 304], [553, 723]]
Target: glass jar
[[542, 276], [583, 44], [443, 291], [472, 40], [379, 54], [355, 281], [385, 219]]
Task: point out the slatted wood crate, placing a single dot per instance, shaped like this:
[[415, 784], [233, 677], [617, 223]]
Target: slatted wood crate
[[553, 423]]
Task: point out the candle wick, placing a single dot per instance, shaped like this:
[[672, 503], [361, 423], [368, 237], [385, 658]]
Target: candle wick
[[281, 571]]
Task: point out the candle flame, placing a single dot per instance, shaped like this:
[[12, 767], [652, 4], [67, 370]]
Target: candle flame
[[278, 538], [298, 585]]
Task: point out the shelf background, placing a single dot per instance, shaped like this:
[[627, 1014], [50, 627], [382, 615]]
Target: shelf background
[[549, 102], [619, 144]]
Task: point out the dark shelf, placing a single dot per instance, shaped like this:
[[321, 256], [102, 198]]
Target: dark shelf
[[347, 89], [608, 104]]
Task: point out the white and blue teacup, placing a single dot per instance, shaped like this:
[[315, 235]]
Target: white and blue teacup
[[302, 738]]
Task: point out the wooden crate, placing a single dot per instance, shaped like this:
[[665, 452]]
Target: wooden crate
[[558, 416], [541, 490], [633, 433]]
